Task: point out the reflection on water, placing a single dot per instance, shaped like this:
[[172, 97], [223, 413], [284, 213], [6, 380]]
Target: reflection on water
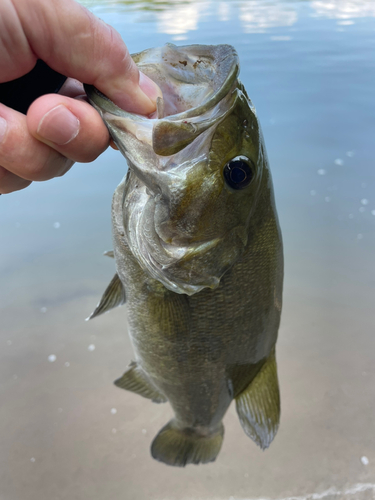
[[65, 431], [183, 18], [257, 17], [137, 5], [177, 17], [343, 9]]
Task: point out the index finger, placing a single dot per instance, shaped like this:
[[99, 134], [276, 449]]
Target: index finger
[[74, 42]]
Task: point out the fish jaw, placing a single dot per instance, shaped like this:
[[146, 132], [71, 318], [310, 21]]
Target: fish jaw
[[173, 213]]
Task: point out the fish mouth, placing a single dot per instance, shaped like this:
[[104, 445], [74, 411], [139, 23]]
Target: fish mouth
[[199, 87], [196, 82]]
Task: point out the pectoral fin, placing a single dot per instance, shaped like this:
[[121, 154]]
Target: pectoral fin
[[113, 296], [135, 380], [258, 406]]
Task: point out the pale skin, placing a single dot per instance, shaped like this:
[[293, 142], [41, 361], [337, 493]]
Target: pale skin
[[60, 129]]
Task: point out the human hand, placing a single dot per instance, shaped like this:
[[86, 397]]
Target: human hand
[[61, 129]]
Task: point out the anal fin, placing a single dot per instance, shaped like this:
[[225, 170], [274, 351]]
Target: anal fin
[[258, 406], [135, 380], [113, 296]]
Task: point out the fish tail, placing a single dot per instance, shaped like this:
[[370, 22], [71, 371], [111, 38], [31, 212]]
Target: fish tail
[[178, 447]]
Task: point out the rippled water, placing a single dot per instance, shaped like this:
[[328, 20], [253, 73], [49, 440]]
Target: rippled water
[[65, 431]]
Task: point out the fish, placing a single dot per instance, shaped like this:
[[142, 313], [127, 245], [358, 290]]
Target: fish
[[198, 252]]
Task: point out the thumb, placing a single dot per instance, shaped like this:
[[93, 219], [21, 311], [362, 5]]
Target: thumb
[[74, 42]]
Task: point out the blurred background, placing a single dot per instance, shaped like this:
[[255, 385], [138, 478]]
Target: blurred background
[[65, 431]]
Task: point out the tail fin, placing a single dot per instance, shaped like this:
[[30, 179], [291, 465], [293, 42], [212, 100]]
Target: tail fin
[[179, 447]]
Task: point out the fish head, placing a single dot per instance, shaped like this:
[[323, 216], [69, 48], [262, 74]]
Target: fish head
[[195, 167]]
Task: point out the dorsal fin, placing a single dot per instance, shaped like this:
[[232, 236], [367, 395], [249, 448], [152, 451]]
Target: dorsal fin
[[113, 296]]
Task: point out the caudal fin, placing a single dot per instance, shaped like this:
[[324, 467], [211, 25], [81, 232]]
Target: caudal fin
[[179, 447]]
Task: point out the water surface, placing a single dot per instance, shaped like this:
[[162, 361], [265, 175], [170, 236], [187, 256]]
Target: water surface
[[65, 431]]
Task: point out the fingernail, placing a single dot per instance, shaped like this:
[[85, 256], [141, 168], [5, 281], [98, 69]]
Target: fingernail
[[3, 128], [59, 125], [139, 98], [149, 87]]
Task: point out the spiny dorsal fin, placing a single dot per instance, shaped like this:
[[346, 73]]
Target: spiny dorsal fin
[[258, 406], [135, 380], [113, 296]]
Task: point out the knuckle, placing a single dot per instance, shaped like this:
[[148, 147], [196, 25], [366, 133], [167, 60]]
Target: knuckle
[[37, 170], [43, 167], [117, 46], [128, 62], [52, 166], [117, 54]]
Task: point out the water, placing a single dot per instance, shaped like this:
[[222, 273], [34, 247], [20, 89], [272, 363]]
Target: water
[[65, 430]]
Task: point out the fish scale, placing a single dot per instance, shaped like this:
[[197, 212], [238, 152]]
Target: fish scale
[[198, 253]]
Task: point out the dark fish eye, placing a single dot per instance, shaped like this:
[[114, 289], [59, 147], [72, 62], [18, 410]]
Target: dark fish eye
[[238, 172]]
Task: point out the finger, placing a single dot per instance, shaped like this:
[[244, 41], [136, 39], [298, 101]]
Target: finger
[[74, 42], [10, 182], [16, 55], [72, 88], [25, 156], [70, 126]]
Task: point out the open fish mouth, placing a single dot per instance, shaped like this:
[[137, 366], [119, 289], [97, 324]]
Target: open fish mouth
[[194, 81], [199, 86]]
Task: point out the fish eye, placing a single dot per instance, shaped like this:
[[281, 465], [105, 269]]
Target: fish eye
[[238, 172]]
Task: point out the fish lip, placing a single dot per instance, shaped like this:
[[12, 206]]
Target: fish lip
[[104, 105], [101, 101], [168, 135]]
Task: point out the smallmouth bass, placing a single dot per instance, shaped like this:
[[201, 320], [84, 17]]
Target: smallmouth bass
[[198, 252]]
